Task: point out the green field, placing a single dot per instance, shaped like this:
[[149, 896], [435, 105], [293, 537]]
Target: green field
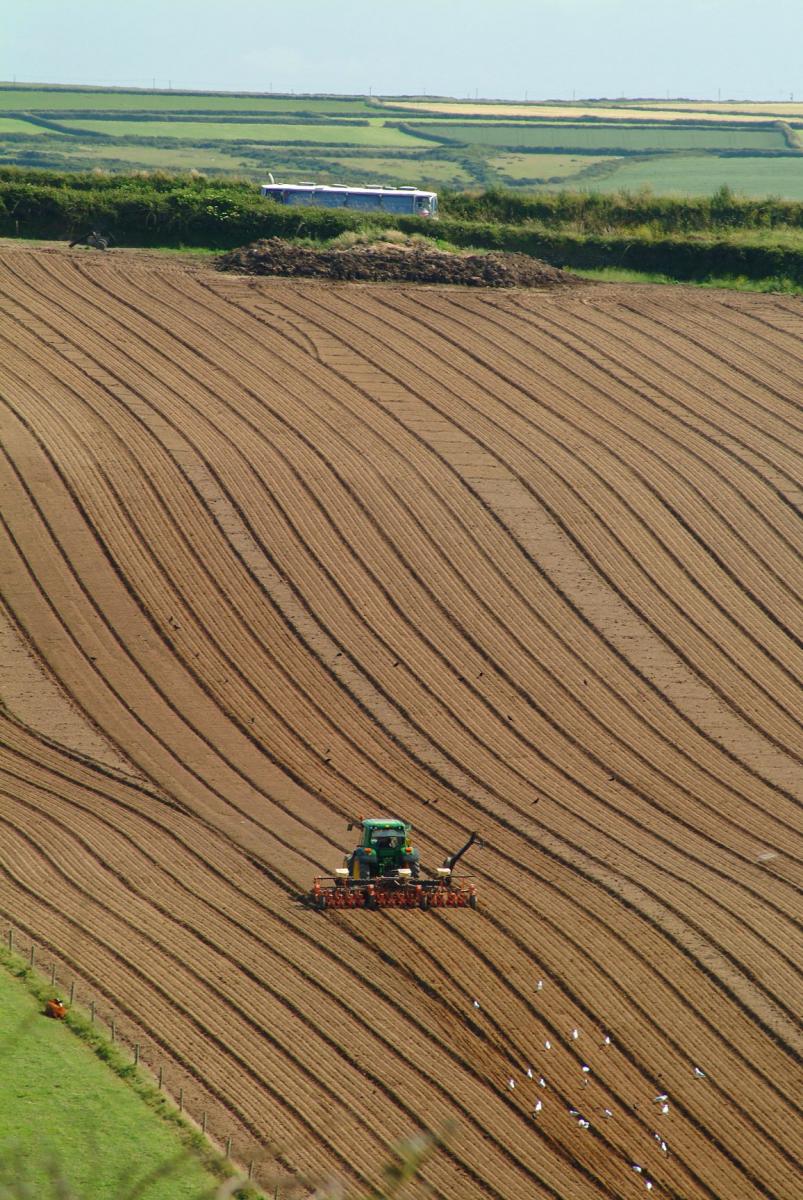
[[422, 173], [548, 148], [13, 125], [545, 166], [64, 1116], [332, 133], [702, 175], [68, 100], [537, 134]]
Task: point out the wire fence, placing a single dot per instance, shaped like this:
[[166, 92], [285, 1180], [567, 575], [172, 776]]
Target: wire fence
[[247, 1164]]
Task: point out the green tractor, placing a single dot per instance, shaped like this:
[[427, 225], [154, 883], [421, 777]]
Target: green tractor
[[384, 849], [384, 871]]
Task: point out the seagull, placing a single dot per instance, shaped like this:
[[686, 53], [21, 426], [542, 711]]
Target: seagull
[[541, 1081], [660, 1098], [476, 1003], [586, 1069], [664, 1109], [607, 1041], [648, 1184], [575, 1034], [698, 1074], [529, 1072], [664, 1148], [511, 1083], [637, 1168], [539, 986], [538, 1106], [547, 1044], [607, 1112], [573, 1112], [583, 1123]]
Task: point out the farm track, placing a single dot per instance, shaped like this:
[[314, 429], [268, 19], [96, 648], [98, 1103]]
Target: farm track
[[524, 563]]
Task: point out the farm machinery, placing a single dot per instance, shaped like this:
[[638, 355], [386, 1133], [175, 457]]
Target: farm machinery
[[384, 871]]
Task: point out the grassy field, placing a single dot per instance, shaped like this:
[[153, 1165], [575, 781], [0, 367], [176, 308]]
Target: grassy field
[[425, 173], [592, 137], [14, 125], [545, 166], [701, 175], [332, 133], [548, 145], [69, 1127], [71, 100]]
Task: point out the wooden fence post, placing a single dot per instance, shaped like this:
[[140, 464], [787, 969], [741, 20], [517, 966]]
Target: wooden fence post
[[33, 955], [161, 1076], [11, 940], [136, 1054], [72, 992], [251, 1169], [181, 1099], [228, 1146], [92, 1011], [53, 975], [203, 1121], [113, 1029]]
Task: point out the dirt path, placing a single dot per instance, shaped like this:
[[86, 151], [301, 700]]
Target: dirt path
[[522, 562]]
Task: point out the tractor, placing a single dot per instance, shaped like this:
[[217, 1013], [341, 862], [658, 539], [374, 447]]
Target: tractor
[[384, 871], [384, 848]]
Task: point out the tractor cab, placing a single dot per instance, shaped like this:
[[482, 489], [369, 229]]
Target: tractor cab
[[384, 848]]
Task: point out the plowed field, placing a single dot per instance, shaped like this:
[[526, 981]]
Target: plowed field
[[280, 554]]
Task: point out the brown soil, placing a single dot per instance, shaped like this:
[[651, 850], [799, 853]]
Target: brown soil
[[386, 263], [521, 562]]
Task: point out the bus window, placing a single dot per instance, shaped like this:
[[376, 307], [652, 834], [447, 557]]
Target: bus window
[[397, 204]]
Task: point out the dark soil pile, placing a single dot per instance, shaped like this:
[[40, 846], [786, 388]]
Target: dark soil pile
[[389, 263]]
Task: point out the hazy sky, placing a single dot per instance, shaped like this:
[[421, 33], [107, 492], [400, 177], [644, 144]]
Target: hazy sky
[[544, 48]]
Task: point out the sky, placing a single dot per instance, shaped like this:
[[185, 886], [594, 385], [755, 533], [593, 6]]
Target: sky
[[507, 49]]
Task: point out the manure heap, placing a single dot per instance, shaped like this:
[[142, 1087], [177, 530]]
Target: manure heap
[[278, 554], [388, 263]]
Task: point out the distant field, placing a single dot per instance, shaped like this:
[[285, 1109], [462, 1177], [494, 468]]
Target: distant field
[[63, 99], [555, 143], [375, 134], [626, 137], [544, 166], [700, 175], [62, 1108], [11, 125], [401, 170], [680, 112]]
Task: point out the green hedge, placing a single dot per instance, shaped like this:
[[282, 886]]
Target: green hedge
[[166, 210], [596, 210]]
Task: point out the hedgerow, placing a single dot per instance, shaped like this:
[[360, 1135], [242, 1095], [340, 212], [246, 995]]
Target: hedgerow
[[688, 239]]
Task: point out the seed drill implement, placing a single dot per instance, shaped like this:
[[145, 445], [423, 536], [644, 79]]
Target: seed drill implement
[[384, 871]]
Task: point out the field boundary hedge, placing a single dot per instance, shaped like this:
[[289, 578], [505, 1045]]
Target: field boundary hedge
[[566, 229]]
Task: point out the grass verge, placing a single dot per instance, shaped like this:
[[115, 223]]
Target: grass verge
[[70, 1129], [736, 283]]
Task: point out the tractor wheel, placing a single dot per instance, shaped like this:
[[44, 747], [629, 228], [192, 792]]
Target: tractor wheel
[[320, 903], [472, 901], [423, 903], [372, 903]]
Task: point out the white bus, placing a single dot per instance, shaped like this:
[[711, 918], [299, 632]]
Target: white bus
[[407, 200]]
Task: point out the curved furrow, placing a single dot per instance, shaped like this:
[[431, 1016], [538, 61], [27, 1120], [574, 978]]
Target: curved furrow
[[747, 377], [698, 406], [585, 1097], [206, 525], [535, 611], [787, 683], [652, 420]]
